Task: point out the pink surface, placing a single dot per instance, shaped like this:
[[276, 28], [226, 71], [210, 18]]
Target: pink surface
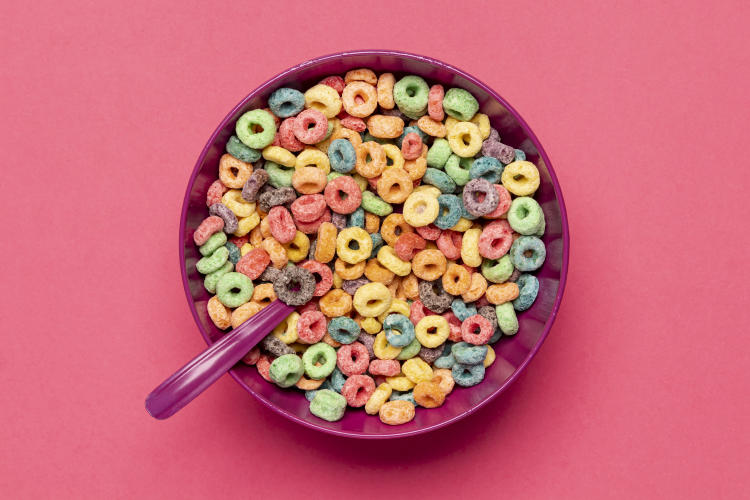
[[641, 390]]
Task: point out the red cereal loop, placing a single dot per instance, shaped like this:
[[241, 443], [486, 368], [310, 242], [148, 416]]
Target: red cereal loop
[[310, 126], [417, 311], [449, 243], [264, 366], [504, 204], [215, 191], [385, 367], [353, 359], [311, 326], [335, 191], [496, 239], [335, 82], [470, 326], [239, 241], [357, 390], [429, 232], [407, 245], [373, 182], [287, 139], [281, 224], [323, 276], [276, 139], [481, 302], [310, 306], [354, 123], [253, 263], [312, 227], [380, 379], [411, 146], [455, 325], [252, 357], [308, 207], [209, 226], [435, 103]]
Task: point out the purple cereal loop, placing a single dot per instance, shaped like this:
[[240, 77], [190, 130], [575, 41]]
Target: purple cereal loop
[[295, 286], [338, 220], [275, 346], [270, 274], [429, 355], [368, 341], [230, 220], [470, 195], [434, 297], [281, 196], [494, 135], [394, 112], [497, 149], [514, 276], [256, 181], [488, 312], [351, 286]]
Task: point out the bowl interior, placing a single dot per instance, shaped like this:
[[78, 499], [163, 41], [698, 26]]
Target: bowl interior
[[513, 353]]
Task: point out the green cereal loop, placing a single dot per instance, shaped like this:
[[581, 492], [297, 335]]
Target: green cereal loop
[[438, 153], [367, 137], [333, 175], [328, 405], [225, 289], [210, 281], [242, 152], [279, 175], [410, 350], [213, 262], [525, 216], [286, 370], [540, 230], [460, 104], [375, 205], [319, 353], [256, 140], [506, 318], [497, 271], [440, 180], [329, 131], [215, 241], [411, 94], [458, 168]]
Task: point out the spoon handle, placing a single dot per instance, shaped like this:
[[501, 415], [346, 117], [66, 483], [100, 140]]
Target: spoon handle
[[193, 378]]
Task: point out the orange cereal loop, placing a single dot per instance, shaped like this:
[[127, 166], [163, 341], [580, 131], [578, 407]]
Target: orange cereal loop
[[385, 90], [372, 223], [219, 313], [361, 75], [233, 173], [374, 271], [309, 180], [396, 412], [359, 99], [395, 185], [502, 293], [444, 380], [477, 287], [349, 271], [256, 236], [276, 251], [394, 287], [263, 294], [385, 127], [335, 303], [429, 265], [265, 228], [244, 313], [325, 248], [410, 287], [308, 384], [428, 394], [370, 159], [416, 168], [456, 279], [394, 226], [348, 134], [431, 127], [329, 340]]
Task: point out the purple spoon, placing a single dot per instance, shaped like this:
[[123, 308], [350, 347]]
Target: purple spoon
[[195, 377]]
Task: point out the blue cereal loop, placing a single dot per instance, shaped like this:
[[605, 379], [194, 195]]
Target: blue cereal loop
[[449, 211], [286, 102], [487, 168], [342, 156], [462, 310], [528, 286]]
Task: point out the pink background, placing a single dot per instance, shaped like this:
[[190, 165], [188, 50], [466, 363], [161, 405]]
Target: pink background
[[641, 389]]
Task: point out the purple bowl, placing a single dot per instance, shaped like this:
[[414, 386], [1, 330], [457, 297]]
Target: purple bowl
[[513, 353]]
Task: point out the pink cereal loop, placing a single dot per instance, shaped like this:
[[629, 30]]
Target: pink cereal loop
[[335, 82], [281, 225], [308, 207], [287, 139], [411, 146], [215, 191], [435, 103], [304, 120], [311, 326], [210, 225]]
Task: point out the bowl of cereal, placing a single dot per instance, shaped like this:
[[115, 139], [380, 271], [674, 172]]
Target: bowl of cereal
[[417, 209]]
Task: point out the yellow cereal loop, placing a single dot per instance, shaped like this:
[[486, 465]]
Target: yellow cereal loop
[[311, 157], [286, 331], [400, 383], [398, 306], [482, 122], [490, 358], [299, 348], [297, 249], [234, 202], [323, 98], [393, 156], [470, 248], [337, 281], [388, 258], [353, 245], [380, 396], [426, 188], [449, 122], [371, 325], [279, 155], [464, 139], [417, 370], [384, 350], [420, 209], [246, 249], [521, 178], [432, 331], [361, 181], [462, 225], [372, 299], [247, 224]]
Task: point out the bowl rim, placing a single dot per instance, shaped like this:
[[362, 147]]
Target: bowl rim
[[516, 115]]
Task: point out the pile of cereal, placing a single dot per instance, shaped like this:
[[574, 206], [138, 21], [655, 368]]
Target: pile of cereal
[[391, 214]]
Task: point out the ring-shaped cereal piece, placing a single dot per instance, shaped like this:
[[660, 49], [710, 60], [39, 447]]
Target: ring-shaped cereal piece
[[383, 350], [460, 104], [310, 126], [219, 313], [324, 279], [480, 197], [495, 240], [464, 139], [428, 394], [233, 173], [421, 209], [353, 359], [278, 155], [411, 94], [343, 195], [503, 205], [309, 180], [325, 247], [319, 360], [370, 159], [399, 330], [286, 102], [498, 271], [281, 224], [430, 232], [216, 190], [477, 287], [348, 271], [256, 128], [359, 99], [263, 294], [372, 300], [234, 289], [312, 157], [521, 178], [343, 330], [386, 81], [342, 156], [407, 245], [385, 127], [388, 258], [432, 331], [416, 370], [393, 226], [450, 243], [361, 75], [311, 326], [308, 208], [502, 293], [477, 330], [234, 201], [353, 245], [435, 103], [350, 135], [394, 185], [396, 412], [470, 248], [525, 215], [528, 253], [416, 168], [429, 264], [456, 279], [335, 303], [357, 390], [393, 156], [324, 99], [375, 271], [298, 248], [294, 286], [433, 128], [434, 297]]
